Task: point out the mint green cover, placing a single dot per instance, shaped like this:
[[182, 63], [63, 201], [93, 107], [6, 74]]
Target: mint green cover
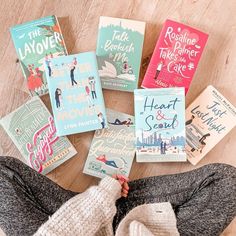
[[119, 52], [112, 150], [35, 42], [32, 130]]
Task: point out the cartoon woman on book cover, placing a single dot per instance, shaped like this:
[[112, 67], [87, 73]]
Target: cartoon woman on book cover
[[58, 95], [89, 100], [101, 119], [72, 67], [92, 86], [34, 79]]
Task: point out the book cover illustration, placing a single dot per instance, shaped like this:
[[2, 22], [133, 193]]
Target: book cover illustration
[[112, 150], [175, 57], [76, 94], [160, 124], [37, 42], [208, 119], [119, 52], [32, 129]]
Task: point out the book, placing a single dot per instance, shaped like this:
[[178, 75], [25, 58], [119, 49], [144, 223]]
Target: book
[[160, 124], [175, 57], [119, 52], [112, 150], [37, 42], [76, 94], [31, 128], [208, 119]]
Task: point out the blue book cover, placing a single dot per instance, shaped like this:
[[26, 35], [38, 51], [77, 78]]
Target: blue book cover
[[112, 150], [36, 42], [160, 124], [76, 94], [119, 52]]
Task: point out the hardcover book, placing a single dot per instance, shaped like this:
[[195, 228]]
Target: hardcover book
[[37, 42], [119, 52], [112, 150], [175, 57], [76, 94], [160, 124], [208, 119], [31, 128]]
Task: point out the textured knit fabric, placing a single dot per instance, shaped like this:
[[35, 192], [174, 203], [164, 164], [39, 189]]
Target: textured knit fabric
[[86, 213], [204, 200]]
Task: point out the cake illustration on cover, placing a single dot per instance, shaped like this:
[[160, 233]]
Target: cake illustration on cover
[[160, 124], [208, 119], [112, 150], [76, 94], [37, 42], [119, 52], [175, 57], [32, 129]]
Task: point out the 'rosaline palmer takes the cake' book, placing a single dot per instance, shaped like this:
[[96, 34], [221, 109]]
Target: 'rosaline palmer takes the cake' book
[[32, 129], [160, 124], [112, 150], [175, 57], [119, 52], [208, 119], [76, 94], [37, 42]]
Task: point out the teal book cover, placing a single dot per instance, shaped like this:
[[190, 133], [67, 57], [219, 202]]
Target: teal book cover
[[32, 129], [119, 52], [112, 150], [160, 124], [37, 42], [76, 94]]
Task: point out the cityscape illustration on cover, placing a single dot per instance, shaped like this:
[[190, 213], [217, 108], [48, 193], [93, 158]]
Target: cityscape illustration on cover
[[76, 94], [112, 150], [208, 119], [32, 129], [119, 52], [160, 124], [37, 42]]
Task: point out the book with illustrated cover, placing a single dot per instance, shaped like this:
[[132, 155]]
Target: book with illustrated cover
[[76, 94], [112, 150], [160, 124], [208, 119], [119, 52], [32, 129], [37, 42], [175, 57]]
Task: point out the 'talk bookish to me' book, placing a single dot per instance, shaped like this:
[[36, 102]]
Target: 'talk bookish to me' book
[[119, 52], [76, 94], [208, 119], [37, 42], [32, 130], [175, 57], [160, 124], [112, 150]]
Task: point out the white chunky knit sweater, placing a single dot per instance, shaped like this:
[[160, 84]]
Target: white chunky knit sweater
[[92, 212]]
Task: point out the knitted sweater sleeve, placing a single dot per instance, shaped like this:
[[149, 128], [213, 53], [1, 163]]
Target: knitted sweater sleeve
[[85, 213]]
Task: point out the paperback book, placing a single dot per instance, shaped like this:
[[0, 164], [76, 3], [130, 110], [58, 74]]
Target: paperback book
[[76, 94], [160, 124], [208, 119], [32, 129], [37, 42], [119, 52], [112, 150], [175, 57]]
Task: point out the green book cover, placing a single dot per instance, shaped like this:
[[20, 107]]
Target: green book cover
[[37, 42], [119, 52], [31, 128]]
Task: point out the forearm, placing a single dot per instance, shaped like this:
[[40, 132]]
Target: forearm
[[85, 213]]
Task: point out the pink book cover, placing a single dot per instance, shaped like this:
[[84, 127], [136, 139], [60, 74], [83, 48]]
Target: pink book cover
[[175, 57]]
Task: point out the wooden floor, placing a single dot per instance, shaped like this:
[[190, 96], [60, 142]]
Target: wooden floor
[[79, 24]]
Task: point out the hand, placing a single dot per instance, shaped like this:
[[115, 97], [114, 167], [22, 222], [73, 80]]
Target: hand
[[124, 184]]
